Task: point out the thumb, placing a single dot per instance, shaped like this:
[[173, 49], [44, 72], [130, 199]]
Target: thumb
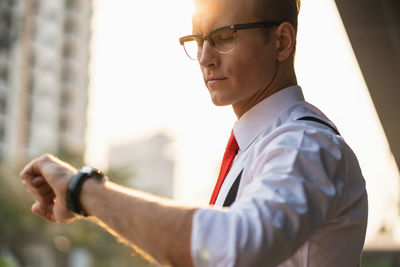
[[44, 211]]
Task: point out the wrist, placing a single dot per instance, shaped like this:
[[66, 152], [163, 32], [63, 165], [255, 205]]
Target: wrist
[[74, 189], [92, 193]]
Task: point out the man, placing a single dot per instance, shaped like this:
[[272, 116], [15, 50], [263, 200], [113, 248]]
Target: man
[[298, 194]]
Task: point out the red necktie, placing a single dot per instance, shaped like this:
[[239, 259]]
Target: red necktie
[[230, 153]]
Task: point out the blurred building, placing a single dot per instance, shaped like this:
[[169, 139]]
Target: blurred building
[[44, 58], [373, 28], [147, 164]]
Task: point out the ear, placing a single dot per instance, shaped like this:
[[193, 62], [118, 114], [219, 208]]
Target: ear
[[285, 41]]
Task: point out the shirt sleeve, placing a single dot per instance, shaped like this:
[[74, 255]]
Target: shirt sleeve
[[295, 181]]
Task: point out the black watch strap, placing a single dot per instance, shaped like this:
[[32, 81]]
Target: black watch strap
[[75, 186]]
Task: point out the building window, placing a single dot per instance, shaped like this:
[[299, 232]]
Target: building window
[[65, 99], [5, 24], [67, 50], [3, 72], [3, 105], [67, 75], [2, 134], [63, 124], [70, 26], [71, 4]]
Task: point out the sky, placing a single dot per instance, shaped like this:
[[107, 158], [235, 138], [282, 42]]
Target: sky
[[143, 83]]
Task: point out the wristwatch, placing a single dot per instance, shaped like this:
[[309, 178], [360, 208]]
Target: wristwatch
[[75, 186]]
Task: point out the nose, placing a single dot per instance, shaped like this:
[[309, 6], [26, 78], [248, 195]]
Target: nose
[[208, 56]]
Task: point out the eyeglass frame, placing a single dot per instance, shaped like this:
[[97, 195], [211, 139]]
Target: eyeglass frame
[[234, 28]]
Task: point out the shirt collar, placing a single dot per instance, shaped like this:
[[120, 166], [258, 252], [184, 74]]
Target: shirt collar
[[259, 117]]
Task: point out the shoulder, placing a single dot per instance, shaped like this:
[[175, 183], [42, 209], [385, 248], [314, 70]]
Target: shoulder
[[299, 135], [297, 145]]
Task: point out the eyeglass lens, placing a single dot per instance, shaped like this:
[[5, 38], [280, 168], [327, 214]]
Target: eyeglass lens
[[223, 40]]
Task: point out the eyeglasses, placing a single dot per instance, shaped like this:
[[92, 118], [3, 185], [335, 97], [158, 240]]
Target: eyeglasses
[[222, 39]]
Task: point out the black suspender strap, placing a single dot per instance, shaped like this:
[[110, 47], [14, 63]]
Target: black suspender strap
[[230, 198], [309, 118]]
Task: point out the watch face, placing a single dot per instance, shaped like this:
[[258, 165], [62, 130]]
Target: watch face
[[87, 169], [91, 171]]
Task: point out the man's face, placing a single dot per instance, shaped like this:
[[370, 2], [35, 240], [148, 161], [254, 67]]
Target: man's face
[[240, 77]]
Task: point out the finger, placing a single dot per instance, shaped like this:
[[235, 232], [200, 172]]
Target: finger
[[33, 168], [47, 206], [31, 191], [38, 181], [38, 186], [34, 183], [53, 213], [49, 198], [27, 171], [44, 189], [43, 194], [32, 187], [48, 169], [44, 211], [46, 198]]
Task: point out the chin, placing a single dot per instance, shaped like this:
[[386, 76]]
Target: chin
[[220, 96], [220, 102]]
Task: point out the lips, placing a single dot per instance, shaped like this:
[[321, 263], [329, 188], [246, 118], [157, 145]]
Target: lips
[[215, 79]]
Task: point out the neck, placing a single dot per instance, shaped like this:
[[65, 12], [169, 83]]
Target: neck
[[281, 80]]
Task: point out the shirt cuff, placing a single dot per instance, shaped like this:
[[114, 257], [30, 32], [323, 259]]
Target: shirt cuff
[[208, 247]]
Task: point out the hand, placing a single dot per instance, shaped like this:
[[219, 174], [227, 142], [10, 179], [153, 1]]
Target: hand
[[46, 179]]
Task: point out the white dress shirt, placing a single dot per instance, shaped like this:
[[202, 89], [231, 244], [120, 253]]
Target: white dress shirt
[[301, 199]]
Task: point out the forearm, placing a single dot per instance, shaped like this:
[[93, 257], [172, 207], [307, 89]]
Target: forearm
[[157, 226]]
